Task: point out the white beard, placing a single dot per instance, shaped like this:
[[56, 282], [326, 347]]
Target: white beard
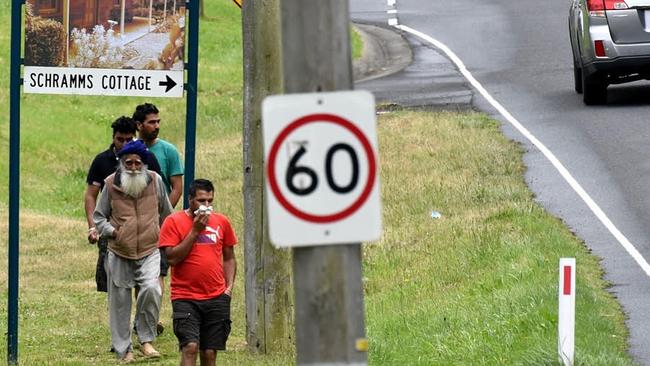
[[133, 182]]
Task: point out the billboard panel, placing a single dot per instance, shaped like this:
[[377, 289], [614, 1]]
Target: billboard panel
[[106, 34]]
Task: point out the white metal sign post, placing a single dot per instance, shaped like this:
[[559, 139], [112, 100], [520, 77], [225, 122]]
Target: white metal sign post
[[567, 310], [322, 170]]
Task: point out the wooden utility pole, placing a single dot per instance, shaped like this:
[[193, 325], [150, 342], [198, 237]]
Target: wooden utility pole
[[269, 311], [327, 279]]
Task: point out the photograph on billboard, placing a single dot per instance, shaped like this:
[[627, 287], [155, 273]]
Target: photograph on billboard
[[105, 34]]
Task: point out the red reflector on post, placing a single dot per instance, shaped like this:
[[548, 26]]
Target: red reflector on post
[[599, 47], [567, 281]]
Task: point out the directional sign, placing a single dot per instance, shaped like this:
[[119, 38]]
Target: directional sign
[[322, 169], [88, 48], [147, 83]]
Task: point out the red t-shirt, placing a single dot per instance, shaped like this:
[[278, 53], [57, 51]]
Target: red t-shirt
[[200, 275]]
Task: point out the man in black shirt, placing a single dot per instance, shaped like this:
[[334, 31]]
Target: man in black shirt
[[105, 164]]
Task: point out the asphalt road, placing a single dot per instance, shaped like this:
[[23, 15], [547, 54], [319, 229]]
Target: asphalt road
[[520, 52]]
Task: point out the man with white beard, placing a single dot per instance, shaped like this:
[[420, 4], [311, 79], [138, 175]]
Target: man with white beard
[[129, 212]]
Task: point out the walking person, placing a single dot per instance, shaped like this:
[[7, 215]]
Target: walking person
[[200, 248], [105, 164], [147, 118], [130, 209]]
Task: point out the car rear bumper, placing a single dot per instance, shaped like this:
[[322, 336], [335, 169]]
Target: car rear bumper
[[621, 59], [620, 65], [599, 30]]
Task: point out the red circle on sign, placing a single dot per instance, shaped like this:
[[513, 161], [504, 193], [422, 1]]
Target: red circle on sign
[[275, 188]]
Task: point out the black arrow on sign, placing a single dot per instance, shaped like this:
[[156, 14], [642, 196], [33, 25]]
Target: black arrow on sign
[[169, 83]]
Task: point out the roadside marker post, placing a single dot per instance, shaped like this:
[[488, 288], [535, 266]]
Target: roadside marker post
[[566, 311]]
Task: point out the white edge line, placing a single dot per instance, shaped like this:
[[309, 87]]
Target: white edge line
[[547, 153], [392, 13]]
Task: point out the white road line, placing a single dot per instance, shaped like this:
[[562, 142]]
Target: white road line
[[392, 13], [549, 155]]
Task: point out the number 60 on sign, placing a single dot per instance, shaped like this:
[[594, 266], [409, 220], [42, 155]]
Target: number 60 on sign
[[322, 169]]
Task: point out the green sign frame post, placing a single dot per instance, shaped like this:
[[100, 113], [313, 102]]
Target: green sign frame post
[[14, 182], [191, 87]]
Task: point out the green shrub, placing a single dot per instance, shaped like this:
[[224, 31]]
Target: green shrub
[[44, 41]]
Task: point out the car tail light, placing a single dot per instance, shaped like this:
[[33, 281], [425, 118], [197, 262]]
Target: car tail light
[[599, 48], [615, 5], [597, 7]]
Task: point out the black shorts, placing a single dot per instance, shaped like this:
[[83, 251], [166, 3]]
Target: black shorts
[[206, 322]]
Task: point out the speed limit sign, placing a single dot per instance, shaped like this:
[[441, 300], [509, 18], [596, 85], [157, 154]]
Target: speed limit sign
[[322, 168]]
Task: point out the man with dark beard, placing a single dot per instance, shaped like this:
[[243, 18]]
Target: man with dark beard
[[129, 212], [147, 118]]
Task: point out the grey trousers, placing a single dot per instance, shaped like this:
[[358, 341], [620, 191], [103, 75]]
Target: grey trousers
[[123, 276]]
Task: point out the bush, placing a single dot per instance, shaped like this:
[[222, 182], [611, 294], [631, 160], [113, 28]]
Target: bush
[[44, 41], [98, 49]]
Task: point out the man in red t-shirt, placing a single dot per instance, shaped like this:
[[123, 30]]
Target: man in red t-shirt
[[200, 249]]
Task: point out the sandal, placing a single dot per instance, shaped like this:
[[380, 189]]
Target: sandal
[[151, 353], [128, 358]]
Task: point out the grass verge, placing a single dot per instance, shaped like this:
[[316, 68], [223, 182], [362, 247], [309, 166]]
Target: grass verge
[[356, 44], [476, 287], [479, 285]]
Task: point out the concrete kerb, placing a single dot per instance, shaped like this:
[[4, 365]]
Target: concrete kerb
[[385, 52], [405, 73]]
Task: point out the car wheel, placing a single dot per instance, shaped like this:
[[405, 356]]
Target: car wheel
[[577, 78], [594, 89]]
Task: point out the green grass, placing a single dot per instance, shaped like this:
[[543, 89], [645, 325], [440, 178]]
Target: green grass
[[356, 43], [479, 285], [476, 287]]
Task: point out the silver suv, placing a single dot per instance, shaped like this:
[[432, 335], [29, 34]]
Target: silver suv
[[610, 40]]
